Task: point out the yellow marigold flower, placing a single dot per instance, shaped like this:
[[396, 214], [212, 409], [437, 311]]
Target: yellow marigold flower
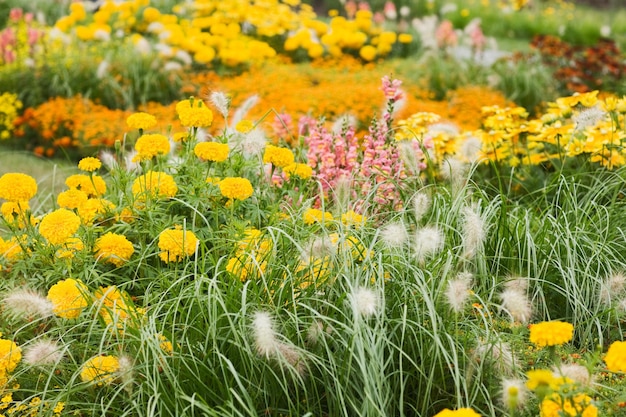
[[165, 344], [540, 378], [17, 187], [194, 113], [351, 218], [175, 244], [460, 412], [113, 248], [244, 269], [211, 151], [72, 198], [100, 370], [59, 225], [69, 248], [244, 126], [368, 53], [155, 184], [141, 121], [115, 305], [236, 188], [405, 38], [90, 209], [312, 215], [180, 137], [615, 357], [277, 156], [92, 185], [10, 356], [11, 249], [69, 298], [149, 146], [581, 405], [298, 170], [551, 333], [14, 212], [89, 164]]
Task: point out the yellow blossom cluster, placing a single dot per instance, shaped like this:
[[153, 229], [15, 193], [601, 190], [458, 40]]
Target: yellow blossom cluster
[[149, 146], [194, 113], [277, 156], [113, 248], [176, 244], [212, 151], [236, 188], [551, 333], [69, 297], [100, 370], [10, 356], [10, 106], [154, 184], [250, 258]]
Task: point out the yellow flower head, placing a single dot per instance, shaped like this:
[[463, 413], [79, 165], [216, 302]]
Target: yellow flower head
[[115, 305], [312, 215], [615, 357], [194, 113], [59, 225], [72, 198], [100, 370], [176, 244], [581, 405], [113, 248], [14, 212], [149, 146], [236, 188], [68, 298], [211, 151], [93, 186], [461, 412], [141, 121], [155, 184], [299, 170], [551, 333], [10, 356], [69, 248], [351, 218], [89, 164], [280, 157], [244, 126], [368, 53], [17, 187]]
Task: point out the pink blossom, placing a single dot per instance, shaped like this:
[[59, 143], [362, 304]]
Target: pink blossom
[[16, 14], [391, 88], [445, 35], [282, 125], [390, 10]]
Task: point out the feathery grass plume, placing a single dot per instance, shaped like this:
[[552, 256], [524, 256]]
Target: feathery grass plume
[[458, 291], [267, 343], [421, 205], [109, 160], [469, 149], [221, 102], [320, 247], [612, 288], [315, 332], [498, 356], [577, 373], [26, 302], [394, 235], [455, 171], [515, 301], [342, 192], [365, 302], [253, 143], [474, 231], [514, 394], [588, 118], [42, 353], [427, 241], [243, 109], [621, 305], [126, 371]]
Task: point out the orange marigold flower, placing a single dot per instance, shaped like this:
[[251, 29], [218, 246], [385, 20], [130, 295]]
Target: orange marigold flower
[[113, 248], [89, 164], [141, 121], [100, 370], [615, 357], [211, 151], [155, 184], [551, 333], [59, 225], [194, 113], [175, 244], [236, 188], [68, 297], [17, 187], [149, 146], [277, 156]]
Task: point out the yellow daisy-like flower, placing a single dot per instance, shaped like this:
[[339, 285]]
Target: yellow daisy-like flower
[[59, 225], [551, 333], [93, 186], [277, 156], [312, 215], [176, 244], [17, 187], [212, 151], [113, 248], [10, 356], [538, 378], [236, 188], [460, 412], [165, 344], [89, 164], [68, 298], [100, 370], [69, 248], [194, 113], [141, 121], [154, 184], [352, 218], [149, 146], [615, 357], [244, 126], [115, 305], [299, 170], [72, 198], [581, 405]]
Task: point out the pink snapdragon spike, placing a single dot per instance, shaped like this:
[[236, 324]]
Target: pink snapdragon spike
[[445, 35], [391, 88], [16, 14], [390, 10], [477, 38]]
